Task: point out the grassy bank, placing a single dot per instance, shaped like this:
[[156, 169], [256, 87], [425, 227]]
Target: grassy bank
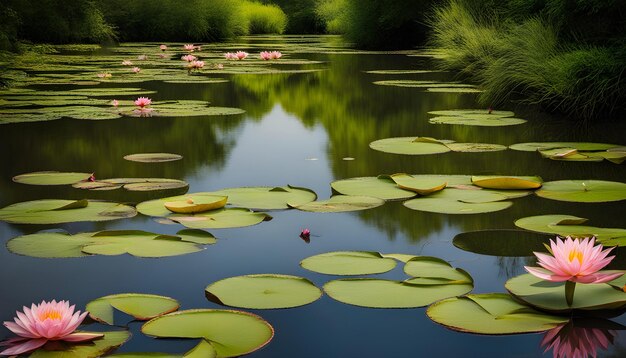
[[539, 54]]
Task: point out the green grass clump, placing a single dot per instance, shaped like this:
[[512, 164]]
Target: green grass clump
[[263, 19]]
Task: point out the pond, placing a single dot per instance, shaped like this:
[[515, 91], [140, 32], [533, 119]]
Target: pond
[[309, 121]]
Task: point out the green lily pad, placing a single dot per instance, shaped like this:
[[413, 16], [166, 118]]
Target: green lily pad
[[132, 184], [51, 178], [49, 245], [231, 333], [381, 187], [96, 92], [451, 180], [570, 154], [197, 236], [375, 293], [263, 291], [420, 185], [457, 201], [139, 305], [449, 89], [535, 146], [221, 219], [52, 211], [411, 145], [567, 225], [475, 147], [157, 207], [93, 349], [583, 191], [341, 203], [491, 313], [507, 182], [480, 121], [399, 72], [617, 157], [501, 242], [153, 157], [428, 270], [204, 349], [267, 198], [348, 263], [550, 296], [472, 113]]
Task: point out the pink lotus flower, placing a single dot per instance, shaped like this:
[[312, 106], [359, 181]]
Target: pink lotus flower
[[47, 321], [275, 55], [163, 47], [189, 47], [189, 58], [198, 48], [265, 55], [142, 57], [115, 103], [567, 340], [143, 102], [104, 75], [230, 56], [127, 63], [136, 69], [241, 55], [195, 65], [306, 235], [219, 66]]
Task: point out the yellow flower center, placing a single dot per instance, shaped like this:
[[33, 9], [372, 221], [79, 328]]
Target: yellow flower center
[[52, 314], [575, 254]]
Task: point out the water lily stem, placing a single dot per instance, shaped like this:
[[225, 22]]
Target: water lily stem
[[569, 292]]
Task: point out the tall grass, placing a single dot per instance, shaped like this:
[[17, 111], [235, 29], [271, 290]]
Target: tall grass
[[301, 16], [529, 59], [263, 19]]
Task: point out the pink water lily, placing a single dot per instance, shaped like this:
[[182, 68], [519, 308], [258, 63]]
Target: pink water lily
[[143, 102], [189, 47], [265, 55], [230, 56], [219, 66], [275, 55], [241, 55], [195, 65], [136, 69], [569, 341], [163, 47], [127, 63], [115, 103], [104, 75], [188, 58], [47, 321]]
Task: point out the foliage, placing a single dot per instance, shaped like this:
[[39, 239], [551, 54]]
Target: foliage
[[301, 16], [263, 19]]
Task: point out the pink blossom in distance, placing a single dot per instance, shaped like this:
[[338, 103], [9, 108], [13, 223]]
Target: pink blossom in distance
[[136, 69], [143, 102], [127, 63], [219, 66], [115, 103], [189, 47], [47, 321], [241, 55], [195, 65], [574, 260], [163, 47], [230, 56], [189, 58], [275, 55], [265, 55], [104, 75]]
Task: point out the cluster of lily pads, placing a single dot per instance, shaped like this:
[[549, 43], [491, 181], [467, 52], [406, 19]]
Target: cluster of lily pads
[[431, 86], [575, 151]]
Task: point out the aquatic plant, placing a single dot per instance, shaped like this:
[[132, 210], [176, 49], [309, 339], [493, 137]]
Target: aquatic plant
[[189, 47], [163, 47], [568, 340], [241, 55], [263, 18], [127, 63], [264, 55], [47, 321], [136, 69], [115, 103], [143, 102], [188, 58]]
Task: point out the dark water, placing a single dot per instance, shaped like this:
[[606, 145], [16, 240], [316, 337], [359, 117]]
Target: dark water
[[290, 118]]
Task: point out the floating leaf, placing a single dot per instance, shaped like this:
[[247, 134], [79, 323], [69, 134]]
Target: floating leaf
[[491, 313], [132, 184], [197, 236], [428, 270], [535, 146], [583, 191], [49, 245], [457, 201], [550, 296], [374, 293], [51, 178], [341, 203], [92, 349], [141, 306], [478, 121], [52, 211], [475, 147], [379, 187], [348, 263], [501, 242], [191, 206], [472, 113], [267, 198], [507, 182], [221, 219], [567, 225], [263, 291], [400, 257], [399, 72], [153, 157], [157, 207], [420, 185], [410, 146], [460, 89], [405, 83], [231, 333]]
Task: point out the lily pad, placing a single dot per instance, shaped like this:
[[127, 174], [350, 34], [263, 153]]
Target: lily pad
[[535, 146], [197, 236], [53, 211], [267, 198], [341, 203], [138, 305], [583, 191], [348, 263], [375, 293], [411, 145], [460, 89], [153, 157], [491, 313], [472, 113], [507, 182], [399, 72], [382, 187], [221, 219], [132, 184], [567, 225], [231, 333], [49, 245], [51, 178], [157, 207], [550, 296], [501, 242], [475, 147], [263, 291], [481, 122], [428, 270], [420, 185], [93, 349], [458, 201]]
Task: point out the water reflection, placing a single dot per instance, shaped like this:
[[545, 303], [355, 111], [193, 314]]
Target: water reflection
[[581, 337]]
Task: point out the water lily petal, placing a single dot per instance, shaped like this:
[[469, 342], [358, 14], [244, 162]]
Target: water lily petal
[[82, 337], [24, 347]]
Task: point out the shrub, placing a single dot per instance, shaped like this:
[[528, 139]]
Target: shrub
[[263, 19]]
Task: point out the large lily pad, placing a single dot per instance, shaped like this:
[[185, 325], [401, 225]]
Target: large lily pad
[[267, 198], [341, 203], [398, 72], [550, 296], [93, 349], [479, 121], [231, 333], [583, 191], [221, 219], [421, 185], [472, 113], [153, 157], [535, 146], [348, 263], [458, 201], [411, 145], [263, 291], [52, 211], [375, 293], [49, 245], [428, 270], [133, 184], [491, 313], [51, 178], [501, 242], [507, 182], [475, 147], [568, 225], [457, 89], [138, 305], [157, 207], [381, 187]]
